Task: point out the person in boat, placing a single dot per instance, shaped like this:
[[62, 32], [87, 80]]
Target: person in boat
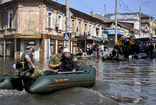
[[80, 53], [67, 62], [54, 61], [114, 54], [27, 58], [151, 48]]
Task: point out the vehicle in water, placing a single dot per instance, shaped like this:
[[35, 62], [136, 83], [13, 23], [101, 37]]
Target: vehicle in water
[[85, 76]]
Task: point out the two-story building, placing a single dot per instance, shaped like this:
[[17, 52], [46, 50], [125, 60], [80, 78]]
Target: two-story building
[[108, 30], [44, 22]]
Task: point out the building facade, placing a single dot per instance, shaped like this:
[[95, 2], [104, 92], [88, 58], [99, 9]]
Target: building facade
[[88, 29], [108, 28], [147, 24], [44, 22]]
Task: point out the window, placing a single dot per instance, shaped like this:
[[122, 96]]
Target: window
[[59, 21], [85, 30], [10, 18], [2, 22], [90, 29], [85, 26], [97, 31], [50, 19], [94, 30], [73, 25], [79, 27]]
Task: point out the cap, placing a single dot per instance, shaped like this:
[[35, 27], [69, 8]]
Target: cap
[[66, 50], [31, 43], [28, 47]]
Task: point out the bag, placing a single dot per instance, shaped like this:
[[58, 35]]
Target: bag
[[21, 65]]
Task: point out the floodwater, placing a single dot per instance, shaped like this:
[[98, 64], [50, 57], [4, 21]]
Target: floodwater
[[131, 82]]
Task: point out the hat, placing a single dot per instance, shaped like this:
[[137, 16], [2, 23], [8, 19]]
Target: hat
[[31, 43], [28, 47], [66, 50]]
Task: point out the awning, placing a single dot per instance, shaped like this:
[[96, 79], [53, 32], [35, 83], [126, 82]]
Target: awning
[[84, 37], [96, 39]]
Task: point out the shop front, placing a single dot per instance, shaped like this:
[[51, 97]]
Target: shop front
[[83, 41], [46, 45], [111, 36]]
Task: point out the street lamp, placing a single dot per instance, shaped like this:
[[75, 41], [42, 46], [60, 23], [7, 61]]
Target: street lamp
[[140, 17]]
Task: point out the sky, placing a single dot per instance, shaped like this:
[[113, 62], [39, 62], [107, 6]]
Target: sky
[[123, 6]]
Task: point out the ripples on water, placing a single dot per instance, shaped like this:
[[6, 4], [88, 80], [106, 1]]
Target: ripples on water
[[126, 82]]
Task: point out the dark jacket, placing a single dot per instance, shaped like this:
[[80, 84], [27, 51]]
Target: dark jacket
[[68, 64]]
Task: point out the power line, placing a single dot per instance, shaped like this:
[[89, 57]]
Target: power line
[[88, 6], [125, 6], [93, 5], [121, 6]]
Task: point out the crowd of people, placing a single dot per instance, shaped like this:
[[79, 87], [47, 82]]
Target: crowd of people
[[126, 50], [96, 49]]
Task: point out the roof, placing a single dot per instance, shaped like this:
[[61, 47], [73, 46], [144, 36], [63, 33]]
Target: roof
[[135, 13], [101, 17], [118, 24]]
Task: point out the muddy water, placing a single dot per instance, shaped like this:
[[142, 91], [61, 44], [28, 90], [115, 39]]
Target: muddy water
[[118, 82]]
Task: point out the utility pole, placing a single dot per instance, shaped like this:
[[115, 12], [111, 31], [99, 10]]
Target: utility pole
[[150, 28], [140, 22], [67, 43], [116, 37], [104, 9], [140, 18], [150, 25]]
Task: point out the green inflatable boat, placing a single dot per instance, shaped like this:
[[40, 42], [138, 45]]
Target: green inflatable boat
[[84, 77]]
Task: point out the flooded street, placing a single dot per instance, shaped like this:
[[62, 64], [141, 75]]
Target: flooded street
[[118, 82]]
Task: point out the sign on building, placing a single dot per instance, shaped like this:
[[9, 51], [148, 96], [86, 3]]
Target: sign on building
[[66, 36], [112, 31]]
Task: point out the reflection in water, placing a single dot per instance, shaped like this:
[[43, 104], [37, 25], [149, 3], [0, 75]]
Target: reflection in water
[[126, 82]]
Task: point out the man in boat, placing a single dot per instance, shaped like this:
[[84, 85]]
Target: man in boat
[[54, 61], [80, 53], [114, 53], [27, 58], [68, 64], [151, 48]]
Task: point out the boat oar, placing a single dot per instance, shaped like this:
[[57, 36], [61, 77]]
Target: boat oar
[[29, 70], [70, 72]]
